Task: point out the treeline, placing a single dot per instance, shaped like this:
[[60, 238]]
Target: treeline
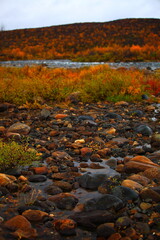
[[120, 40]]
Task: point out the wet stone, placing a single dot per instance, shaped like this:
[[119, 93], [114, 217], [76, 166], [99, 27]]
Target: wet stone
[[148, 193], [6, 179], [19, 128], [143, 228], [123, 222], [125, 193], [113, 116], [18, 222], [132, 184], [37, 178], [66, 227], [152, 174], [112, 163], [104, 230], [3, 107], [137, 113], [91, 219], [64, 186], [104, 202], [34, 215], [64, 201], [144, 130], [145, 97], [140, 179], [155, 140], [45, 113], [52, 190], [94, 180], [85, 117]]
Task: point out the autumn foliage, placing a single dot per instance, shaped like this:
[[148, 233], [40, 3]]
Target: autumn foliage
[[36, 85], [120, 40]]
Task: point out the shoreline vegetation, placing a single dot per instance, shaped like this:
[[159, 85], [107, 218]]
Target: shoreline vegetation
[[36, 85]]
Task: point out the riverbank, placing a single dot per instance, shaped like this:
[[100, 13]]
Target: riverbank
[[99, 174]]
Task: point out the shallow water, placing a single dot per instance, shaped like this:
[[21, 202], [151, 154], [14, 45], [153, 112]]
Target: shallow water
[[70, 64]]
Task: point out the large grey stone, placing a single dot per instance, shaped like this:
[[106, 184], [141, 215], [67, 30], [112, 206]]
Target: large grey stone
[[103, 202], [93, 180]]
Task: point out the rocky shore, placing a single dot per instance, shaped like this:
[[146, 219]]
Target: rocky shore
[[98, 178]]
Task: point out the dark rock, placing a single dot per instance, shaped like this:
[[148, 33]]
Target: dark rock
[[145, 97], [156, 189], [21, 209], [104, 202], [155, 140], [94, 180], [46, 206], [157, 208], [123, 222], [137, 113], [34, 215], [64, 201], [12, 187], [90, 123], [45, 113], [113, 116], [109, 184], [83, 117], [65, 227], [104, 230], [124, 193], [65, 186], [95, 158], [4, 191], [148, 193], [91, 219], [52, 190], [14, 171], [143, 228], [20, 128], [144, 130], [74, 97], [112, 163], [3, 107], [37, 178]]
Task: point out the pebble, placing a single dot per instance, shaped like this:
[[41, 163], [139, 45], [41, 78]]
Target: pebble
[[144, 130], [66, 227], [37, 178], [125, 193], [64, 201], [93, 180], [118, 150], [104, 202], [34, 215], [20, 128], [104, 230], [132, 184], [20, 224]]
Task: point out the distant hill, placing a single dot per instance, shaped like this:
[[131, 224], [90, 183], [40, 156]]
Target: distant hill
[[126, 39]]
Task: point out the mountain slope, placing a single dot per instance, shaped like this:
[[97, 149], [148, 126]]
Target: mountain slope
[[81, 39]]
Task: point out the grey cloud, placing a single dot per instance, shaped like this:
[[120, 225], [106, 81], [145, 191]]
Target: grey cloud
[[37, 13]]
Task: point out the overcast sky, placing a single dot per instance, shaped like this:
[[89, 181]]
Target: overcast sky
[[16, 14]]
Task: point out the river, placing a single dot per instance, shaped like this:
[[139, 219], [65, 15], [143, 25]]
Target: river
[[70, 64]]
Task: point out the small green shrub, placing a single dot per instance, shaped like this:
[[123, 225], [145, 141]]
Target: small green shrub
[[14, 155]]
